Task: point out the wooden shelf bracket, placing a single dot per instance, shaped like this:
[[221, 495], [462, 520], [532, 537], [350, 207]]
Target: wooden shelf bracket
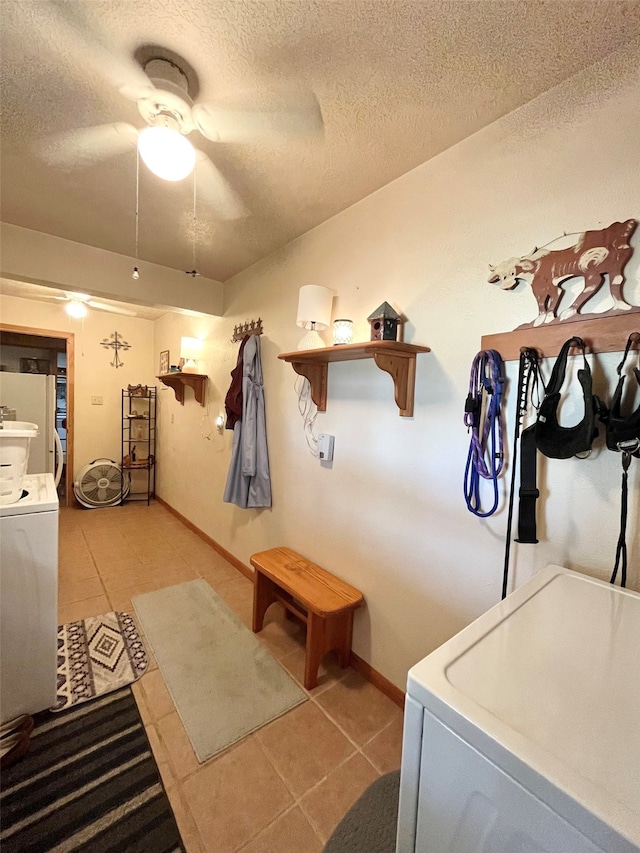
[[317, 374], [178, 381], [394, 357], [402, 369]]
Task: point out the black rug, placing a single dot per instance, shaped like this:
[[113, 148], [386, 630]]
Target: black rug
[[88, 783], [370, 824]]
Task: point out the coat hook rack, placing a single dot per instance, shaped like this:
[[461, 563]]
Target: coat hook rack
[[607, 333], [249, 327]]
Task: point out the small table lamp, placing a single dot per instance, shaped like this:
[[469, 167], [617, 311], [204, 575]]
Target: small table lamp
[[190, 349], [342, 332], [314, 314]]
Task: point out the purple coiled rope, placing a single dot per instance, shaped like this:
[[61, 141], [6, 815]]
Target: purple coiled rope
[[486, 456]]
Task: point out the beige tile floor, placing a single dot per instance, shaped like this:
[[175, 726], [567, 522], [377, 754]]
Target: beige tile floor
[[281, 789]]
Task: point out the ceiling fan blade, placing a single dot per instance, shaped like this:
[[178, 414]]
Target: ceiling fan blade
[[111, 308], [87, 145], [215, 192], [286, 114], [62, 296], [66, 27], [47, 298]]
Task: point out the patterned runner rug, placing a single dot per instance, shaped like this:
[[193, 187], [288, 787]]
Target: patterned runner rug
[[97, 655], [88, 783]]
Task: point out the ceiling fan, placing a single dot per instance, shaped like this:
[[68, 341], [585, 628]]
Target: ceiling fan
[[76, 304], [165, 89]]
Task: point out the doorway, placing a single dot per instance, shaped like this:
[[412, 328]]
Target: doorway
[[31, 350]]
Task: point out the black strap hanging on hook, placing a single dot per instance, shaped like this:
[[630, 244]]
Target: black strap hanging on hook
[[621, 547], [552, 439], [560, 442], [620, 428], [528, 379], [623, 436], [528, 493]]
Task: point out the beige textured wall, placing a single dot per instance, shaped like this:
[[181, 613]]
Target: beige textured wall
[[44, 259], [97, 428], [389, 515]]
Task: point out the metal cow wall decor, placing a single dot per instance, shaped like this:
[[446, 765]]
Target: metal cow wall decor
[[594, 255]]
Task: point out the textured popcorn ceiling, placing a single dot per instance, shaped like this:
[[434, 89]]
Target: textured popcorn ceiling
[[397, 82]]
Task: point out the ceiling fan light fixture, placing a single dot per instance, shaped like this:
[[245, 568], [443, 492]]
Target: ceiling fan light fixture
[[166, 152], [76, 309]]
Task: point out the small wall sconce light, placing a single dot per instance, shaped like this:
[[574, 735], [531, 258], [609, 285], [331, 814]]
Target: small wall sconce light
[[342, 332], [190, 349], [314, 314]]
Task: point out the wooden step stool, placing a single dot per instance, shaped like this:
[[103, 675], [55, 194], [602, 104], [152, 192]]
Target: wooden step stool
[[315, 596]]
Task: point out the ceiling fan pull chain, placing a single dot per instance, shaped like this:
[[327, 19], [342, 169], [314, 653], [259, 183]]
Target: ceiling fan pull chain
[[136, 274], [195, 171], [194, 272]]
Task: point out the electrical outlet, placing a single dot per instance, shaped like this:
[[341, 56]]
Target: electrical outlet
[[325, 447], [96, 401], [172, 417]]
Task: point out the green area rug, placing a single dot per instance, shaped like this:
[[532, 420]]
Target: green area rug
[[224, 682], [88, 783]]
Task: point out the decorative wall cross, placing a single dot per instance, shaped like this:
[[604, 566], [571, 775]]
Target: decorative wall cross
[[116, 343]]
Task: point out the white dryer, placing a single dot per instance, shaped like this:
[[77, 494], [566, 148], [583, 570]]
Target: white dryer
[[522, 733], [29, 599]]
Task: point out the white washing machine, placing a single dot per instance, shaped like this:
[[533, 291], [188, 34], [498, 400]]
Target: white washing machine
[[29, 599], [522, 733]]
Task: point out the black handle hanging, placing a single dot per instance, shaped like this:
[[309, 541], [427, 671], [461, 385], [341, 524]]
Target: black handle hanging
[[557, 374], [621, 547], [622, 431], [552, 439], [633, 337]]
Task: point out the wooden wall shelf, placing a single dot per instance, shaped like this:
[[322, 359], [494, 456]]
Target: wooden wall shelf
[[608, 333], [178, 381], [395, 358]]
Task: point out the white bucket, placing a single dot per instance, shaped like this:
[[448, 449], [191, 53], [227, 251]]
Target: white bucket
[[15, 438]]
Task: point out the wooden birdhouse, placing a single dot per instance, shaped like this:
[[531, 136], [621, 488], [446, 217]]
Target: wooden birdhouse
[[384, 323]]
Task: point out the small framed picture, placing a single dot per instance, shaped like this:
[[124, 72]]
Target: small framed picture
[[164, 362]]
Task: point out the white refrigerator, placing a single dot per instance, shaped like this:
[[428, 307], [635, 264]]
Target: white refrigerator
[[33, 396]]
